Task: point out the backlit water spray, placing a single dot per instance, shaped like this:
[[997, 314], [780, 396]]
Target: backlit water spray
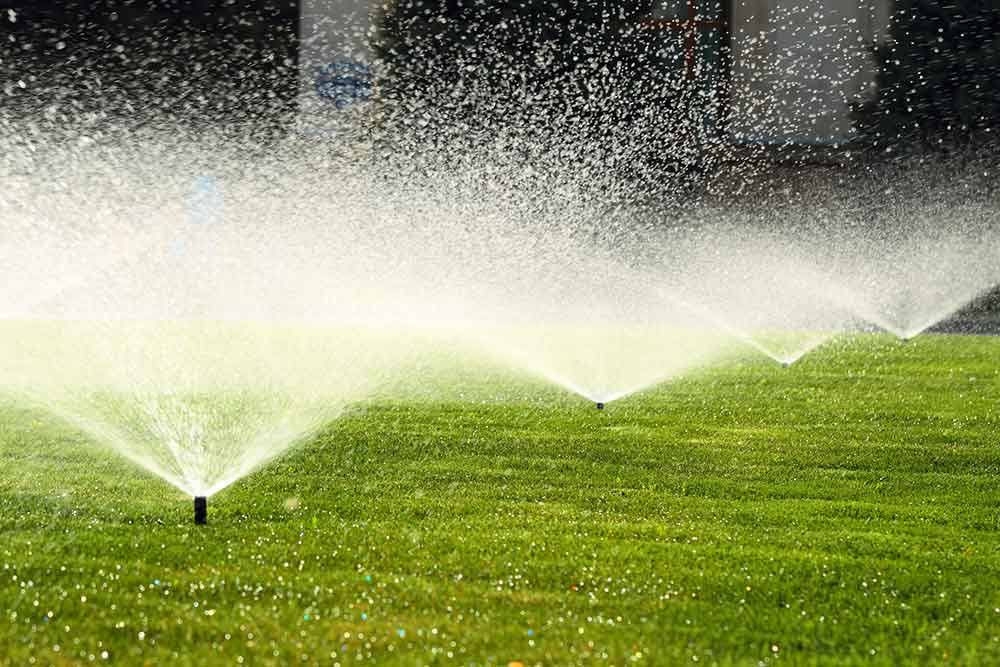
[[201, 300]]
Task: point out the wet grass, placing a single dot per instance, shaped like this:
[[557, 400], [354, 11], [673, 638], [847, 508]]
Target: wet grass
[[843, 511]]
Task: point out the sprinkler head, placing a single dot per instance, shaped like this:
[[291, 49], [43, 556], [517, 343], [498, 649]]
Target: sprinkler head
[[600, 406], [200, 510], [786, 364]]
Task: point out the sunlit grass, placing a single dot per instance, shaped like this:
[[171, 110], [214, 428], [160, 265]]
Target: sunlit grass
[[841, 511]]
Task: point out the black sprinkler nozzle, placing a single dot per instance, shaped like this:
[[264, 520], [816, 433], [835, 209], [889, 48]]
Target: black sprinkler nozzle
[[600, 406], [201, 510]]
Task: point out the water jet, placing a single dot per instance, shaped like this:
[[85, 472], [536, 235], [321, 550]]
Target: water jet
[[200, 510]]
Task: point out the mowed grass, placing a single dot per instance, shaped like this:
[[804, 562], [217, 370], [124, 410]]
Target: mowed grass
[[842, 511]]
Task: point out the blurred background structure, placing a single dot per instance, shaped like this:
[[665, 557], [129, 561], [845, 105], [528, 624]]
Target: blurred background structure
[[805, 72], [805, 62]]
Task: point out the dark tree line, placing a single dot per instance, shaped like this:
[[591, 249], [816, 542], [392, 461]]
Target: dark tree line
[[938, 79], [590, 73], [200, 60]]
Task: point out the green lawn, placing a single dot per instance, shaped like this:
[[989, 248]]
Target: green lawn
[[843, 511]]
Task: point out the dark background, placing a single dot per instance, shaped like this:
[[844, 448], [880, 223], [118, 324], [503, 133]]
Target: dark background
[[938, 83], [203, 60]]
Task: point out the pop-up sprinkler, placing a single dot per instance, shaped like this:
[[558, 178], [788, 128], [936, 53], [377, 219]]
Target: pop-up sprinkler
[[200, 510], [600, 406]]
